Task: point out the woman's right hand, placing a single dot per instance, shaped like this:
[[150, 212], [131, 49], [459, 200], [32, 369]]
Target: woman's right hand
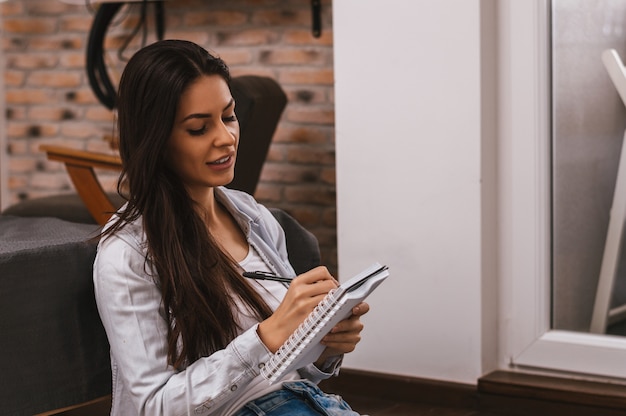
[[305, 292]]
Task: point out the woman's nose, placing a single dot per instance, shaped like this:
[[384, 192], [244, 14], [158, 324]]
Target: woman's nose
[[227, 134]]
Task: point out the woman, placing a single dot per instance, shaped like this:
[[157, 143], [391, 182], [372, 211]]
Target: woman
[[188, 333]]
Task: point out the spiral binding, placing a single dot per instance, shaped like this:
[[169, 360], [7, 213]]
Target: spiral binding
[[302, 336]]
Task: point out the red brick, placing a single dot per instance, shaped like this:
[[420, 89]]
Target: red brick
[[114, 41], [200, 37], [57, 43], [30, 96], [260, 3], [235, 56], [313, 194], [329, 217], [74, 60], [13, 44], [76, 24], [35, 144], [236, 71], [305, 37], [311, 155], [249, 37], [326, 4], [23, 130], [215, 18], [57, 181], [299, 134], [307, 76], [43, 25], [17, 148], [82, 96], [54, 79], [285, 17], [17, 182], [292, 57], [39, 61], [47, 165], [284, 173], [14, 78], [17, 130], [276, 153], [48, 113], [11, 8], [99, 114], [96, 143], [172, 19], [306, 95], [15, 113], [310, 115], [329, 175], [22, 164], [266, 193], [80, 130], [47, 7]]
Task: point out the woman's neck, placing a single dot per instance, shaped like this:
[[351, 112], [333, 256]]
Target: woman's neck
[[224, 229]]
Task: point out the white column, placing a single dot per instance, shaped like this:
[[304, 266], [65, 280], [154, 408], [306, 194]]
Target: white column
[[410, 141]]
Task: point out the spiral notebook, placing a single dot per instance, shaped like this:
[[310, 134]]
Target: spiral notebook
[[303, 346]]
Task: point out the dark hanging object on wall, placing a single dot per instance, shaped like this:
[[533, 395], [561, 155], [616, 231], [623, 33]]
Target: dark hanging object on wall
[[97, 73], [316, 13]]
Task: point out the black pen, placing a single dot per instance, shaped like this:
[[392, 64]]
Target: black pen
[[266, 276]]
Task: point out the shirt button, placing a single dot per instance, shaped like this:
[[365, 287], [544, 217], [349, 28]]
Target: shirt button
[[233, 387], [261, 365]]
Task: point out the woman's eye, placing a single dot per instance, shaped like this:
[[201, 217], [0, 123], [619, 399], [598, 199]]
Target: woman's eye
[[197, 132], [230, 119]]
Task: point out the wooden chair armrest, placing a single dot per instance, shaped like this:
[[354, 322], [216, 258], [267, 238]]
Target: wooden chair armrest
[[82, 157], [80, 166]]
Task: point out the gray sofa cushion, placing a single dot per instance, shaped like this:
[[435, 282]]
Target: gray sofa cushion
[[54, 349]]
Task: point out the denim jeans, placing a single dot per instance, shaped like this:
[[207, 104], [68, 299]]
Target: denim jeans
[[297, 398]]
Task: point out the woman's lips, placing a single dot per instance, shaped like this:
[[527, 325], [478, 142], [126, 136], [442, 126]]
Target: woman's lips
[[222, 163]]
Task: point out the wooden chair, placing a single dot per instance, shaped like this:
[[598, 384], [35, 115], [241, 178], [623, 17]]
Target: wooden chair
[[80, 166]]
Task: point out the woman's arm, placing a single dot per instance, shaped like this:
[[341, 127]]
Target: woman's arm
[[130, 307]]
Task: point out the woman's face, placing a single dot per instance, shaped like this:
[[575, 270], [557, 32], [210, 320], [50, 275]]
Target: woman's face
[[203, 144]]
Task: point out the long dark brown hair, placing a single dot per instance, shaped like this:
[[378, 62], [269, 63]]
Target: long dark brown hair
[[198, 281]]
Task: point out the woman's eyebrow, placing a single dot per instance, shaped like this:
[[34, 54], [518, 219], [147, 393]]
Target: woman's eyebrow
[[231, 102], [207, 115]]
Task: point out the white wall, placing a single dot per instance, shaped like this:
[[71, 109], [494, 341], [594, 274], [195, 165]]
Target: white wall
[[411, 132]]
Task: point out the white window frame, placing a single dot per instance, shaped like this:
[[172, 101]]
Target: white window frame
[[526, 340]]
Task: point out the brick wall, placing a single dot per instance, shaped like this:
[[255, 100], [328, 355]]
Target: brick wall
[[48, 98]]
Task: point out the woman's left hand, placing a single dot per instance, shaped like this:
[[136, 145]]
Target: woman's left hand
[[345, 335]]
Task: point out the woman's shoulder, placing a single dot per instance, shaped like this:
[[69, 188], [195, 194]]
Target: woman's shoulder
[[129, 235]]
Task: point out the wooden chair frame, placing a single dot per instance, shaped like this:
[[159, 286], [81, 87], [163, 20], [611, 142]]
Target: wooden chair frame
[[81, 165]]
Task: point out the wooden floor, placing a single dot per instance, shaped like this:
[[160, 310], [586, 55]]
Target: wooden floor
[[499, 393], [364, 405], [377, 406]]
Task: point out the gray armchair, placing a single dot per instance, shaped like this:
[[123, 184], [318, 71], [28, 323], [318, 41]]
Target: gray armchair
[[55, 351]]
